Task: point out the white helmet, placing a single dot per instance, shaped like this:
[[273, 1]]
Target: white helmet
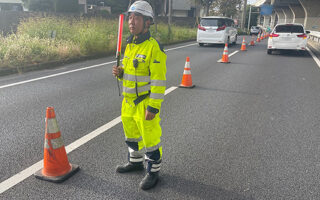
[[141, 7]]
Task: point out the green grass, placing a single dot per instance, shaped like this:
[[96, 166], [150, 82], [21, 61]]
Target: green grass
[[74, 38]]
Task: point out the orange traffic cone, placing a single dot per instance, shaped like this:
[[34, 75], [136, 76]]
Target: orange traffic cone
[[186, 78], [252, 41], [56, 165], [225, 55], [258, 38], [261, 37], [243, 46]]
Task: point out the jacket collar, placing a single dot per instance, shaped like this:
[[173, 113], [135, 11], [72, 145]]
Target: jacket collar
[[140, 39]]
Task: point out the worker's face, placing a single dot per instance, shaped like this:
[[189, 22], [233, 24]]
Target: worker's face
[[136, 23]]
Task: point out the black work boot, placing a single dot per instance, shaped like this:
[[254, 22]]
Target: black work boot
[[130, 167], [149, 181]]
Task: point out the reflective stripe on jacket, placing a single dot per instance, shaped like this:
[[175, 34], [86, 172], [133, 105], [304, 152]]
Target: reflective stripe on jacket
[[150, 72]]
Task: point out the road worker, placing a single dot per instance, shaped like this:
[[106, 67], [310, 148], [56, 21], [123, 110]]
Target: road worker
[[144, 82]]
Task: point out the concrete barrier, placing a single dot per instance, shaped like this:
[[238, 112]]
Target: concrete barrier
[[315, 36]]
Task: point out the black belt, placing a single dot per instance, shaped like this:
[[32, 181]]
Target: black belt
[[140, 98]]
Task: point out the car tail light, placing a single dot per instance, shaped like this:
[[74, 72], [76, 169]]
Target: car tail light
[[273, 35], [201, 28], [221, 28], [304, 36]]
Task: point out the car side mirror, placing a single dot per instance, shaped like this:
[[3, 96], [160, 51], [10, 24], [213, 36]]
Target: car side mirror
[[307, 32]]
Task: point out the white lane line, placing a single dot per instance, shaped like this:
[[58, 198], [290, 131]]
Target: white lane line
[[181, 47], [315, 58], [53, 75], [15, 179], [231, 54], [76, 70]]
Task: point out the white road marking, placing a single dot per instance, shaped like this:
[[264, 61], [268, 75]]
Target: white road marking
[[54, 75], [315, 58], [181, 47], [231, 54], [76, 70], [15, 179]]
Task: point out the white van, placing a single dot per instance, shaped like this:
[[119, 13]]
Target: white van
[[216, 30]]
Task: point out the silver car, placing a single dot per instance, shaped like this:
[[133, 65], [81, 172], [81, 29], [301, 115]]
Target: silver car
[[255, 30]]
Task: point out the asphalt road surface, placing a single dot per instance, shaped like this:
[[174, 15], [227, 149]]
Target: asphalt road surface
[[248, 130]]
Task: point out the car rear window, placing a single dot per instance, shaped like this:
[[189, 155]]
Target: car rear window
[[289, 29], [212, 22]]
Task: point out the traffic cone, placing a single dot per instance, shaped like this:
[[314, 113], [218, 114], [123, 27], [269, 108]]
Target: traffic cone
[[243, 46], [187, 78], [258, 38], [56, 167], [261, 37], [252, 41], [225, 55]]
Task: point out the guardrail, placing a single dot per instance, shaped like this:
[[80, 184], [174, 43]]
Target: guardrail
[[315, 36]]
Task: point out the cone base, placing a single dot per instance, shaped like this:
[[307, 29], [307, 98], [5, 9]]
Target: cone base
[[220, 61], [183, 86], [57, 179], [244, 50]]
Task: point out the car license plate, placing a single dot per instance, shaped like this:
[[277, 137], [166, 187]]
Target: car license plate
[[286, 38]]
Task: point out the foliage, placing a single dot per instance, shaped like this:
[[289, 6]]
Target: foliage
[[206, 4], [117, 6], [74, 38], [228, 8]]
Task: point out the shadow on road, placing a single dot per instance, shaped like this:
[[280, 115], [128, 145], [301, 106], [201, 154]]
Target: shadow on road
[[197, 189], [174, 187], [290, 53], [109, 189], [218, 45]]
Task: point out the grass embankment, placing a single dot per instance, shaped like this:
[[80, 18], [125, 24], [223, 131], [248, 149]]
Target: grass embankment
[[73, 38]]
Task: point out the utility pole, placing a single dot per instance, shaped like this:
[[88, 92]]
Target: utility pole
[[170, 12], [244, 14], [249, 19]]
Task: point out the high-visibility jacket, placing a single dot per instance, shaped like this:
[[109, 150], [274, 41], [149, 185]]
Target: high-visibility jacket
[[144, 65]]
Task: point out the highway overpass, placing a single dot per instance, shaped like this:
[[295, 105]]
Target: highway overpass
[[306, 12]]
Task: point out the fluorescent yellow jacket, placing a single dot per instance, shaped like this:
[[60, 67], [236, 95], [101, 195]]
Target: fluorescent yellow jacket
[[144, 65]]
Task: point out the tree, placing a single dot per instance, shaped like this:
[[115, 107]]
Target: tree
[[228, 8], [206, 4], [157, 6], [117, 6]]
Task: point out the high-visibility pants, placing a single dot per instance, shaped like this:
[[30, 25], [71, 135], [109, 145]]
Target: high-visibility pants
[[142, 134]]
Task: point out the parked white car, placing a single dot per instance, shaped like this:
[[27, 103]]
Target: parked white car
[[255, 30], [216, 30], [288, 36]]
